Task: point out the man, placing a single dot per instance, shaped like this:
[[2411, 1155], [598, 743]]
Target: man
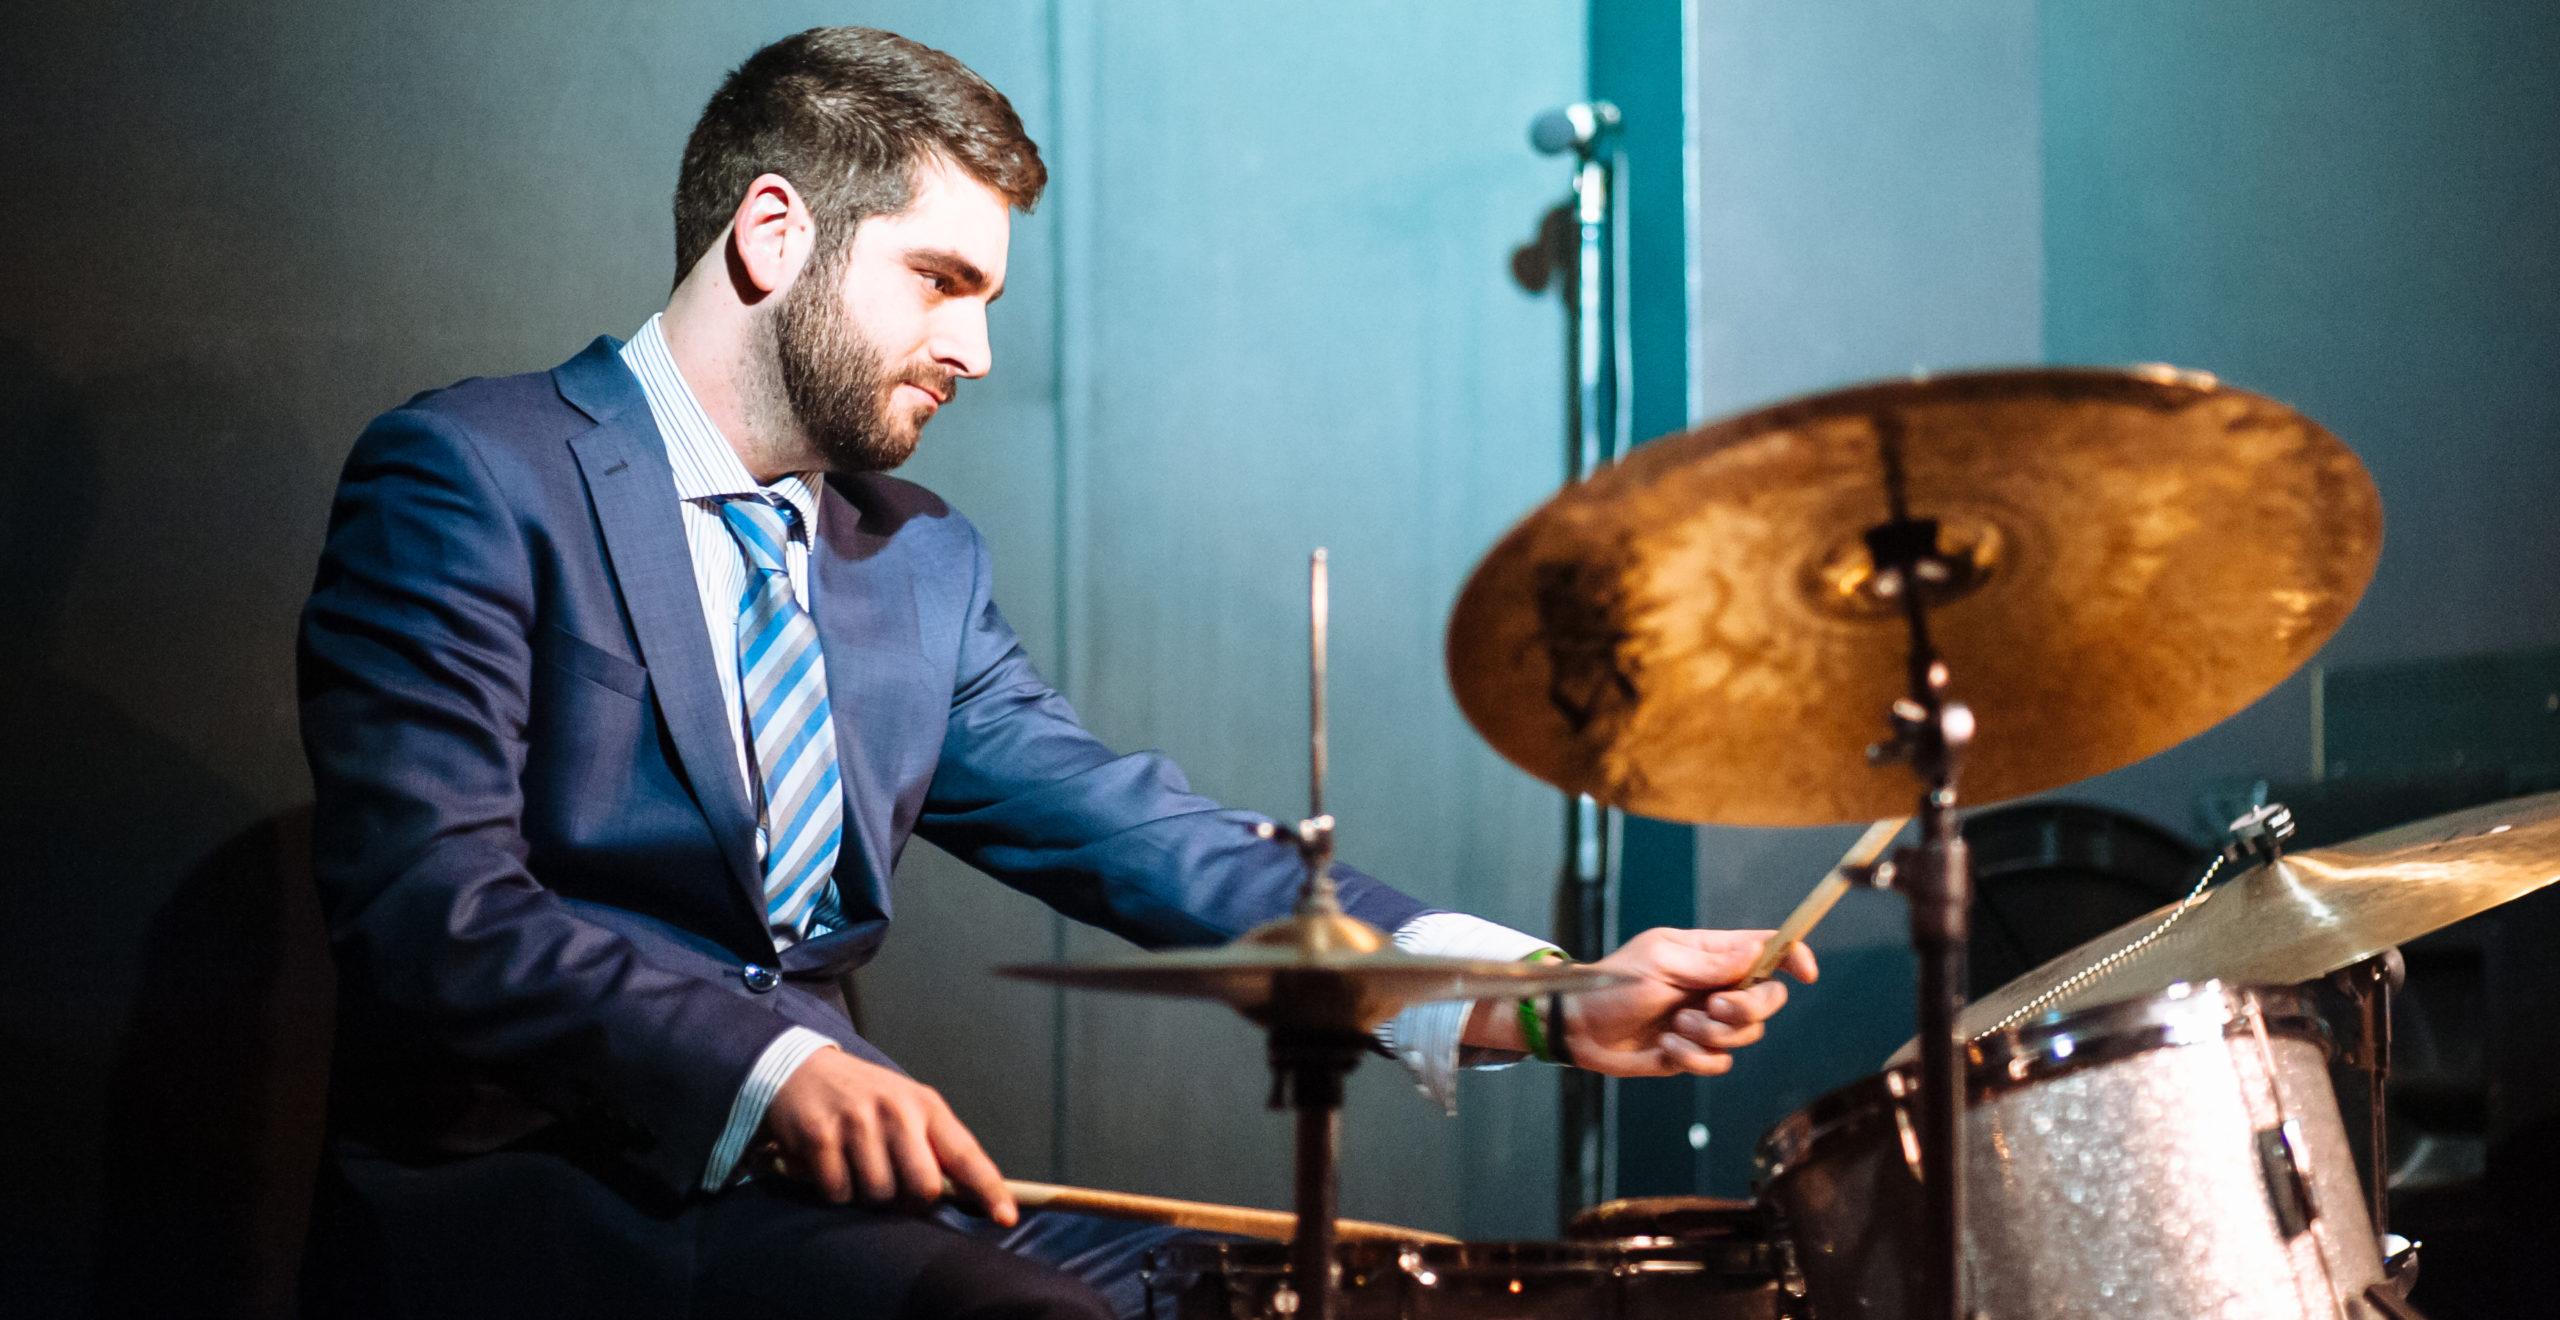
[[623, 687]]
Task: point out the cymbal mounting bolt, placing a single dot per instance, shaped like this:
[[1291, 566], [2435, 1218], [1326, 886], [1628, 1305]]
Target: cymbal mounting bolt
[[2260, 832]]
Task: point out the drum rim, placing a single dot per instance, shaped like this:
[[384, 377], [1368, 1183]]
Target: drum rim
[[1635, 1218], [1181, 1263], [2050, 1046]]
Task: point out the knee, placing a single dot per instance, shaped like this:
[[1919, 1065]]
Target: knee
[[965, 1288]]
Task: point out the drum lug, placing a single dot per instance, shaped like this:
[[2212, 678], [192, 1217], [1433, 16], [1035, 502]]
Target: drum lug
[[2400, 1262], [1791, 1281], [1906, 1134], [2288, 1177]]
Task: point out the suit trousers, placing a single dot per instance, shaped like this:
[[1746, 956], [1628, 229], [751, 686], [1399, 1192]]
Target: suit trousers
[[531, 1232]]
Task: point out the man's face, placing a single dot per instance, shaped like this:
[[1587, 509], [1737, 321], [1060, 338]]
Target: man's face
[[873, 339]]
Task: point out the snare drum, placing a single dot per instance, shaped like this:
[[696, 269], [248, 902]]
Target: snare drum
[[1626, 1279], [1688, 1218], [2178, 1155]]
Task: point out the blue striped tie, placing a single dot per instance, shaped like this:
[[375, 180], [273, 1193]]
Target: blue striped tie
[[783, 685]]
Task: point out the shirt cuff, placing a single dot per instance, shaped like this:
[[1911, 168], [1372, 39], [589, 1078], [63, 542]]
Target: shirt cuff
[[746, 1113], [1425, 1037]]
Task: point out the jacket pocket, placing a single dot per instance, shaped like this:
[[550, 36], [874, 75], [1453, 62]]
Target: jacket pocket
[[593, 663]]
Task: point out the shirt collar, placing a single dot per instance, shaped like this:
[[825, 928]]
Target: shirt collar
[[706, 468]]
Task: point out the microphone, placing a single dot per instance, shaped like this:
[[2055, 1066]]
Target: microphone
[[1576, 127]]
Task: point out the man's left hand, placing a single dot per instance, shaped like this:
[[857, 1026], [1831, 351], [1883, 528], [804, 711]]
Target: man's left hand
[[1678, 1012]]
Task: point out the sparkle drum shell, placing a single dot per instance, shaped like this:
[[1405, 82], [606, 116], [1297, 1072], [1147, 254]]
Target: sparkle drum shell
[[2176, 1156], [1643, 1278]]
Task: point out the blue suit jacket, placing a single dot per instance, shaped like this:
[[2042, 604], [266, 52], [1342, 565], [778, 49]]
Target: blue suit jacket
[[533, 846]]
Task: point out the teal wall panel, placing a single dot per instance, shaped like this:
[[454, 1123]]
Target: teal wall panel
[[1641, 60], [1292, 324]]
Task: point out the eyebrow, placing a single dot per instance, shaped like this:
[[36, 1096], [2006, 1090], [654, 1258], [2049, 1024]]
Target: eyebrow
[[955, 267]]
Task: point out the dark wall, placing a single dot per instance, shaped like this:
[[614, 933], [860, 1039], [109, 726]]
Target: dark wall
[[235, 232]]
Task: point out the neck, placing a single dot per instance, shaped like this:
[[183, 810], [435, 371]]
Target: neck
[[726, 360]]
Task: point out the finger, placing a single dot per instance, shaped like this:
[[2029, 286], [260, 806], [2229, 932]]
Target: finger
[[969, 1166], [1739, 1007], [1800, 964], [1717, 942], [1634, 1063], [867, 1149], [1680, 961], [911, 1153], [821, 1162], [1701, 1029], [1690, 1057], [1735, 946]]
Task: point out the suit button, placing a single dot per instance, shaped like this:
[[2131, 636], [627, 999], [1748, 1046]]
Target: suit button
[[759, 978]]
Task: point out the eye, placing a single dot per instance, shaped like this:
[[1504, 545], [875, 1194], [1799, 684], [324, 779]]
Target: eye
[[940, 282]]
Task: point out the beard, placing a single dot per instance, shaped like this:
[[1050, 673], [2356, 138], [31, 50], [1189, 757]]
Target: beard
[[836, 383]]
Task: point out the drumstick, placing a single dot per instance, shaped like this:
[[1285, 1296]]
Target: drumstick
[[1277, 1225], [1827, 891], [1243, 1221]]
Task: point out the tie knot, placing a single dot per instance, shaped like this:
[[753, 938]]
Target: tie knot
[[762, 526]]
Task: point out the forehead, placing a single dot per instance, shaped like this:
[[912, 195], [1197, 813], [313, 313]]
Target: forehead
[[951, 212]]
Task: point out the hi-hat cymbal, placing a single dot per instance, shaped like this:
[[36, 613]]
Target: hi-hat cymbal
[[1325, 971], [1697, 633], [2313, 913]]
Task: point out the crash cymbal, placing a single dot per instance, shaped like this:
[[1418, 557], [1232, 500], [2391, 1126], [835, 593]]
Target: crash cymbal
[[1317, 971], [1698, 632], [2311, 913]]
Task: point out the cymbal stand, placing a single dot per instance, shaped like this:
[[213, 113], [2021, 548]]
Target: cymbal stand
[[1316, 1040], [1930, 734], [1308, 1066], [1317, 1036]]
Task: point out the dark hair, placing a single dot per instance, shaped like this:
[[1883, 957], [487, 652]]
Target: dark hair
[[846, 114]]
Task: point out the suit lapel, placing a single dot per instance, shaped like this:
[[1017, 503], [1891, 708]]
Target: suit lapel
[[632, 489], [865, 612]]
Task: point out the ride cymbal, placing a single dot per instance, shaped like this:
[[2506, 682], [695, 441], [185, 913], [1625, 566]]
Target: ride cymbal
[[1698, 632]]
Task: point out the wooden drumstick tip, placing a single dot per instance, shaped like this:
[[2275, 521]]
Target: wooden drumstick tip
[[1817, 905]]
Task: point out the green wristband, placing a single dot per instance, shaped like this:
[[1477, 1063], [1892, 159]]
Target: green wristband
[[1533, 1029], [1533, 1032]]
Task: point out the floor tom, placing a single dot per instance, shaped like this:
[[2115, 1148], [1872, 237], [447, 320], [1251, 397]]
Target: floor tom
[[2174, 1156]]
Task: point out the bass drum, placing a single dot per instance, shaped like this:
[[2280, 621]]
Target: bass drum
[[1649, 1278], [2051, 876], [2167, 1158]]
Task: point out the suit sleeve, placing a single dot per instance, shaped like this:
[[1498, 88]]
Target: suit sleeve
[[1121, 842], [414, 672]]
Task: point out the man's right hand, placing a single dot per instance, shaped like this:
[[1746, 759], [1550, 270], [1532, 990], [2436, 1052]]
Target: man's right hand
[[844, 1124]]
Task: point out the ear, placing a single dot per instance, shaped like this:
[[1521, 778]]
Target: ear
[[770, 235]]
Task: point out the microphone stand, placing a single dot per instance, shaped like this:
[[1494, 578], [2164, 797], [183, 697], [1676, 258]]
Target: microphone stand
[[1595, 426]]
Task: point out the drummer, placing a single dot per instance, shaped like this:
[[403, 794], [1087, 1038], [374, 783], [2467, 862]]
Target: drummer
[[623, 686]]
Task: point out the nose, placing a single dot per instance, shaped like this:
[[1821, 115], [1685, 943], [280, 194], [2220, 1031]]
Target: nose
[[960, 340]]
